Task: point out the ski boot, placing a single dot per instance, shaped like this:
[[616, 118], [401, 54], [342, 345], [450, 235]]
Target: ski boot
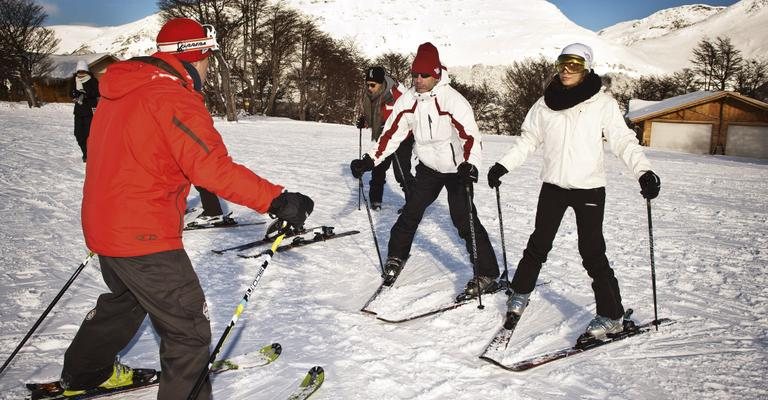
[[601, 327], [376, 206], [392, 269], [478, 284], [122, 375], [203, 221]]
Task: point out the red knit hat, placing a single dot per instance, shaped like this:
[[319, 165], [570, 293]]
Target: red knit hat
[[187, 39], [427, 60]]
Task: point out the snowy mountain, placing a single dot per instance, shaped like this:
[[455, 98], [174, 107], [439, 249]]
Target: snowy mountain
[[659, 23], [124, 41], [745, 23], [710, 239], [476, 40]]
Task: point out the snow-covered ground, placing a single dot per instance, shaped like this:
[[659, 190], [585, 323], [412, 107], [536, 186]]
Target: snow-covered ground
[[710, 234]]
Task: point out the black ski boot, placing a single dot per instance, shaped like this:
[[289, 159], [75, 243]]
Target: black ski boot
[[478, 284], [392, 269]]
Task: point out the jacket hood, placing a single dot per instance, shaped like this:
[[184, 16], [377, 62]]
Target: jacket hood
[[130, 75]]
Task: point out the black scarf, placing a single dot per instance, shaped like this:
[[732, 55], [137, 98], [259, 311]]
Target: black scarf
[[557, 97], [196, 82]]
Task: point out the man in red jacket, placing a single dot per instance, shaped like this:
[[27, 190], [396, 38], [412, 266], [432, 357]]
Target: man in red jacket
[[150, 140]]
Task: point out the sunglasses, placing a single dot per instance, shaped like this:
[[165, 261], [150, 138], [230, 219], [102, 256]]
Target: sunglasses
[[372, 85], [424, 76]]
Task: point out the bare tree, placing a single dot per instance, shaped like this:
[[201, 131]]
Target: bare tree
[[524, 82], [717, 63], [398, 66], [220, 14], [751, 77], [26, 43], [281, 31]]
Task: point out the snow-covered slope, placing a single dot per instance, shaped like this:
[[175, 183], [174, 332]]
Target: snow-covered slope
[[473, 33], [710, 235], [659, 23], [124, 41], [745, 23]]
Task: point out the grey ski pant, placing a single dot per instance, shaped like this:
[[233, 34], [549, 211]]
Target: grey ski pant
[[163, 285]]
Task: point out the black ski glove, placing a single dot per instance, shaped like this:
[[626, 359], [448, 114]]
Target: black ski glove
[[360, 122], [650, 184], [494, 175], [293, 208], [76, 93], [358, 167], [467, 173]]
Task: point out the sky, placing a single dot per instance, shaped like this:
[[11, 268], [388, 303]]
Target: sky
[[592, 14]]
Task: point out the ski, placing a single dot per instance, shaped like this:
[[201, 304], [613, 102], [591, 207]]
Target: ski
[[387, 281], [146, 377], [460, 301], [300, 241], [311, 382], [584, 343], [225, 225], [267, 240], [456, 304], [264, 356], [500, 341]]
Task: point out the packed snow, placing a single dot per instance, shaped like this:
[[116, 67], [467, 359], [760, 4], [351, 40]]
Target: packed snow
[[711, 246]]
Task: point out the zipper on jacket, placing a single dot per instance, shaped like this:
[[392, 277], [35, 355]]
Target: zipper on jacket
[[453, 154], [429, 119]]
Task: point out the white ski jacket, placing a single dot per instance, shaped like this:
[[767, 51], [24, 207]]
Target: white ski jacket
[[572, 141], [442, 123]]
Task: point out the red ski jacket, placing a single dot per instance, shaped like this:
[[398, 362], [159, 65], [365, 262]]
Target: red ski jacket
[[150, 139]]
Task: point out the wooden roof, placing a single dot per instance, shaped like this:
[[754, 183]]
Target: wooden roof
[[688, 100]]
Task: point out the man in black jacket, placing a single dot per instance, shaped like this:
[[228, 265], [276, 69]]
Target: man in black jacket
[[85, 94]]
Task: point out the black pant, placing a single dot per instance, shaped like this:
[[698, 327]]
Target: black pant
[[210, 202], [429, 183], [589, 207], [82, 129], [165, 286], [401, 160]]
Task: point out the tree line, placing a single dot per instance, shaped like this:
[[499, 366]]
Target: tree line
[[715, 64], [276, 61]]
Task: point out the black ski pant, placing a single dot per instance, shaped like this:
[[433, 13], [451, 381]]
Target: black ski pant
[[163, 285], [401, 162], [82, 129], [429, 183], [210, 202], [589, 207]]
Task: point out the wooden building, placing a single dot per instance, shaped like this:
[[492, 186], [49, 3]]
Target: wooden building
[[56, 86], [705, 123]]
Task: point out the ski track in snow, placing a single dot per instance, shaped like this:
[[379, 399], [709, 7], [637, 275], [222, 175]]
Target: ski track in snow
[[711, 247]]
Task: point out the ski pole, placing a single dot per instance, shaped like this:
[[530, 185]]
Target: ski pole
[[503, 245], [238, 310], [373, 231], [653, 265], [359, 156], [474, 244], [47, 310]]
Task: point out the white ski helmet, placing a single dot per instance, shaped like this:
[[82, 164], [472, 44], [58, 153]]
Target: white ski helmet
[[581, 50]]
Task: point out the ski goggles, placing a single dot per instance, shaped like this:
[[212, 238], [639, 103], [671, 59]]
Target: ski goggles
[[203, 44], [570, 63]]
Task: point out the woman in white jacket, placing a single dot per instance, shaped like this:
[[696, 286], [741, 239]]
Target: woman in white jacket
[[569, 123]]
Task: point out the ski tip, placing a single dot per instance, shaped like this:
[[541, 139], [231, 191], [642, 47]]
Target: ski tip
[[271, 351], [315, 376]]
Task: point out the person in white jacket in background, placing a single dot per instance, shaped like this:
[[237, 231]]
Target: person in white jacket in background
[[569, 123], [448, 146]]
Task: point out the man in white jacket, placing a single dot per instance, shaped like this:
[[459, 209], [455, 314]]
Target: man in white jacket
[[569, 123], [448, 146]]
